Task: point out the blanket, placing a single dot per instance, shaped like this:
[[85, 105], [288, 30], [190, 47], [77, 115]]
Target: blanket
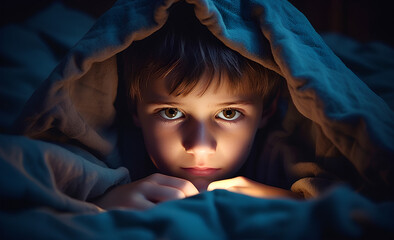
[[69, 145]]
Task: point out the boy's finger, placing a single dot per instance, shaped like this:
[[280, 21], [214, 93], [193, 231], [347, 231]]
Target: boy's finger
[[227, 183], [184, 185], [159, 193], [143, 204]]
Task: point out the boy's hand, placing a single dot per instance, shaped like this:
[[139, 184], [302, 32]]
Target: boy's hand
[[147, 192], [246, 186]]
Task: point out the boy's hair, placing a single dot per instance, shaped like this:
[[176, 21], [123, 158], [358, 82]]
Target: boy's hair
[[182, 51]]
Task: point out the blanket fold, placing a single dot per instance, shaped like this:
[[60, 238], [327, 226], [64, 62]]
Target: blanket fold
[[217, 215], [73, 140], [76, 103]]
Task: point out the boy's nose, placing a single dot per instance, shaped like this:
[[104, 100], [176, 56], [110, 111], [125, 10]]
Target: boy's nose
[[199, 140]]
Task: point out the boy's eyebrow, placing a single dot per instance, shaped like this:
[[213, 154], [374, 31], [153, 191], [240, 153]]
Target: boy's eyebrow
[[240, 102], [159, 102], [237, 102]]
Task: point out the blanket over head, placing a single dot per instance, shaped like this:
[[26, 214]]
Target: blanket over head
[[332, 127], [329, 127]]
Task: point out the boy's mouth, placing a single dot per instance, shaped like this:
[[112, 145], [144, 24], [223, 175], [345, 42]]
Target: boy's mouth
[[201, 171]]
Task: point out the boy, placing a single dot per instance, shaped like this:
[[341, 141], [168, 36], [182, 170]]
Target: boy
[[199, 106]]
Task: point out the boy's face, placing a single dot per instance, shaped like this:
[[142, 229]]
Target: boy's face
[[201, 138]]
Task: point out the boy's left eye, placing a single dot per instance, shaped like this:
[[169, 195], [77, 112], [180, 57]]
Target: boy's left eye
[[229, 114]]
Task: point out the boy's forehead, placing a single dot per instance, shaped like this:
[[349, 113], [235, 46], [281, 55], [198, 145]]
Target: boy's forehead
[[159, 89], [159, 92]]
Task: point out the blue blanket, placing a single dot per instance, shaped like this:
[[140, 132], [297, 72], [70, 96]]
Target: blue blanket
[[46, 180]]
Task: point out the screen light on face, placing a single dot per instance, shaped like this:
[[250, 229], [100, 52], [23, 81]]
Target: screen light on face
[[201, 138]]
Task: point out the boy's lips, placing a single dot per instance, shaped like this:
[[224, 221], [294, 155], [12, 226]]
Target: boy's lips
[[201, 171]]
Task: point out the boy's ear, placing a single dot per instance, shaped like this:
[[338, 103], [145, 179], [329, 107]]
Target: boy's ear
[[136, 119], [269, 112]]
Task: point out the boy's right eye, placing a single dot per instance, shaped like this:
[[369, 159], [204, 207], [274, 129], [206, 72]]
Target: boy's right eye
[[171, 113]]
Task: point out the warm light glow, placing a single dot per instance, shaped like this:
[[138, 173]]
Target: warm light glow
[[246, 186], [189, 137]]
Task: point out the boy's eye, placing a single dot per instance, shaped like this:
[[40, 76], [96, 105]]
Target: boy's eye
[[171, 113], [229, 114]]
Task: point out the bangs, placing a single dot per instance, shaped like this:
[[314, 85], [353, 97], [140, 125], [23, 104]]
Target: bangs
[[184, 54]]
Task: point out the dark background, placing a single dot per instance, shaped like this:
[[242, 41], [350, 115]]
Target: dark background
[[363, 20]]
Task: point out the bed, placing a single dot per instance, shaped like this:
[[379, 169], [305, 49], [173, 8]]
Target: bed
[[47, 179]]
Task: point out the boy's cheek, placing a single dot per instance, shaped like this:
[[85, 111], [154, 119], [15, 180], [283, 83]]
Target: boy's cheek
[[164, 149]]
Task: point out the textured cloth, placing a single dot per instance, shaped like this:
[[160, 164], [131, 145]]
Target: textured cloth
[[346, 130], [330, 127]]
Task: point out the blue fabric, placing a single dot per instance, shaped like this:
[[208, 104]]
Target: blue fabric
[[369, 61], [29, 52], [215, 215], [46, 186]]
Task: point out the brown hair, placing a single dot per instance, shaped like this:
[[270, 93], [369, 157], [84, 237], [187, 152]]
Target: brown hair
[[182, 51]]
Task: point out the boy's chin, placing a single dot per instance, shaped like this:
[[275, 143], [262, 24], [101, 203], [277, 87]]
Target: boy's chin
[[201, 184]]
